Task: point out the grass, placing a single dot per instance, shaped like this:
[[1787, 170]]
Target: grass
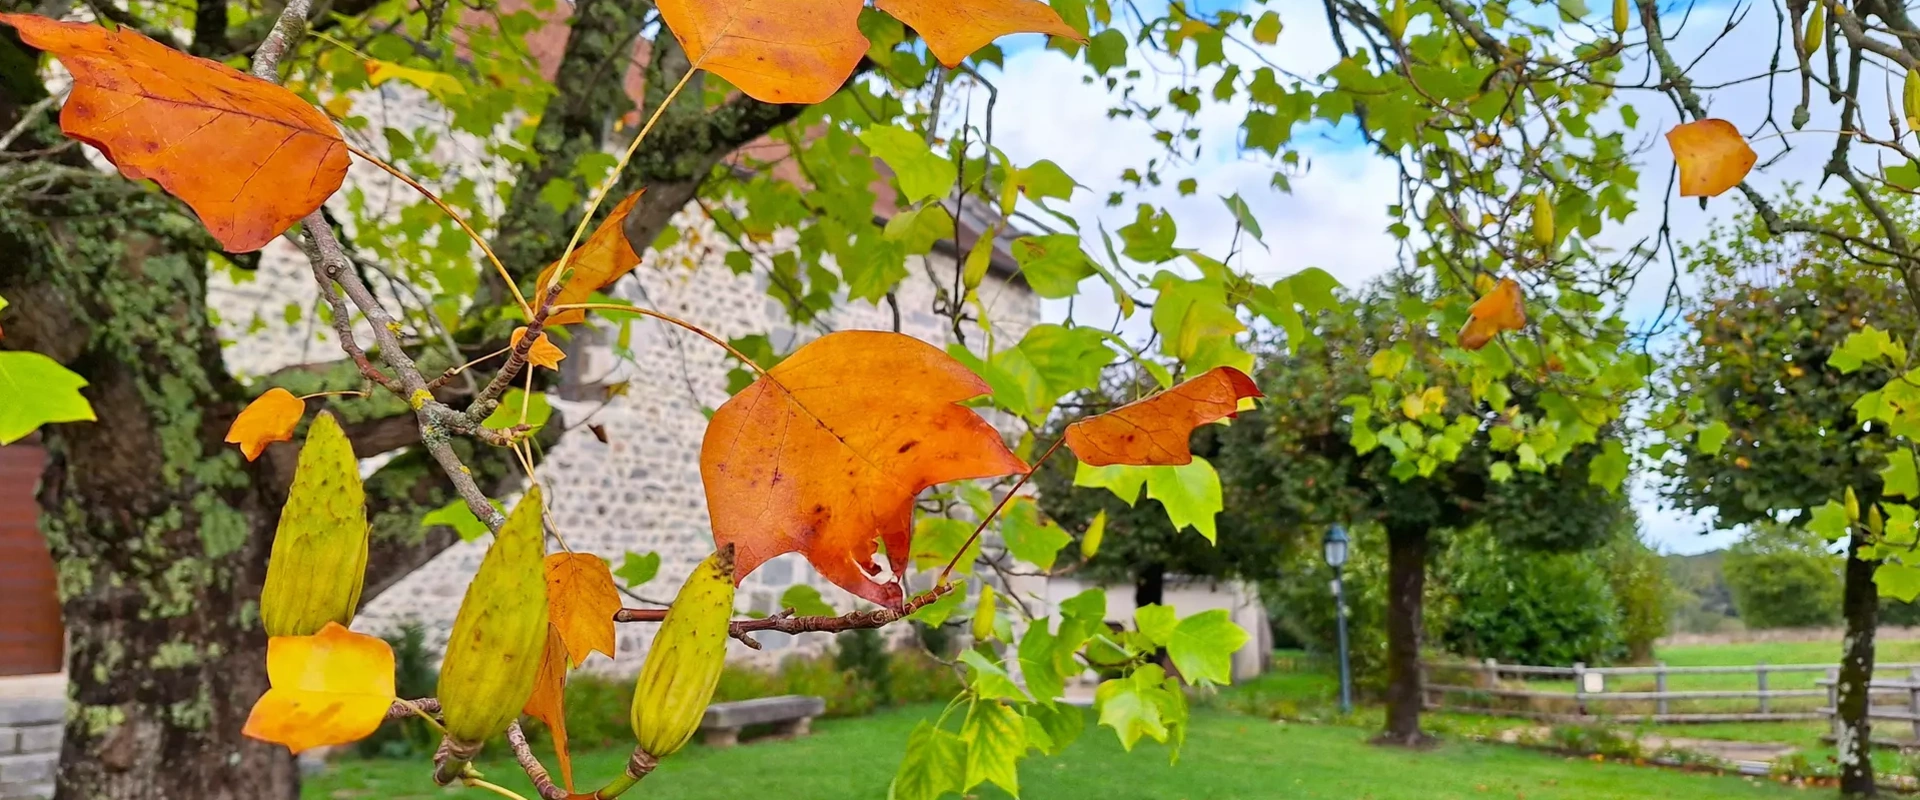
[[1228, 757]]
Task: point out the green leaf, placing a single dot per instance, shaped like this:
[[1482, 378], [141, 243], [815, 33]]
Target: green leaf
[[988, 680], [1149, 237], [1313, 289], [1157, 623], [1713, 437], [1609, 469], [1243, 215], [939, 611], [921, 172], [38, 391], [918, 229], [1124, 481], [1130, 705], [1830, 520], [1030, 538], [936, 539], [636, 569], [1186, 312], [1107, 50], [1900, 478], [457, 516], [1190, 494], [1044, 179], [935, 764], [1053, 264], [996, 739], [1897, 580], [1052, 728], [806, 601], [1202, 647], [507, 414], [1037, 666], [1096, 531], [1500, 471], [1267, 30]]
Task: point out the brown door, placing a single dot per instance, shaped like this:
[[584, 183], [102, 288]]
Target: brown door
[[31, 638]]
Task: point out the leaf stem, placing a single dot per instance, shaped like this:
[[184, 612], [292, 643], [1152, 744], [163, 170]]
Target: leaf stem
[[422, 713], [997, 509], [669, 319], [339, 393], [491, 787], [457, 220], [613, 177]]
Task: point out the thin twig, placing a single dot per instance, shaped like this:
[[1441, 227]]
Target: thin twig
[[28, 117]]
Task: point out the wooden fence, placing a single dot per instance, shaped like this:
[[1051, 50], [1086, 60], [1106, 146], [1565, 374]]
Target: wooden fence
[[1905, 710], [1582, 693]]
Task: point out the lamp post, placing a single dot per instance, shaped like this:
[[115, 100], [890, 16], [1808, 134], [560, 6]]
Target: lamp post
[[1334, 547]]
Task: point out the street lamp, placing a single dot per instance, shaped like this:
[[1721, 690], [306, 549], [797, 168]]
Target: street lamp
[[1334, 547]]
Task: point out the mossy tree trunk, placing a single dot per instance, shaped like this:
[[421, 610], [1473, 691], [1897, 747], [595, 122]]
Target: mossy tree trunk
[[1406, 588], [1861, 607]]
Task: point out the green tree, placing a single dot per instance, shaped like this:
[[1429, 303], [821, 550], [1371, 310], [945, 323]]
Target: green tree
[[1641, 587], [1773, 424], [1526, 607], [1314, 457], [1784, 577]]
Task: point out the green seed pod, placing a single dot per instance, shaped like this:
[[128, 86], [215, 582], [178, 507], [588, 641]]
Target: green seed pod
[[1620, 18], [683, 664], [1816, 28], [1911, 100], [1852, 506], [1542, 220], [319, 558], [493, 655]]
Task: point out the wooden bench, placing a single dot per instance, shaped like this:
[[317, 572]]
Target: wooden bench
[[791, 715]]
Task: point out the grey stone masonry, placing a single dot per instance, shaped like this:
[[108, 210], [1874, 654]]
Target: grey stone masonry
[[30, 729]]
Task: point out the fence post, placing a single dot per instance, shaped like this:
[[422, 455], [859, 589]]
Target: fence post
[[1580, 688], [1490, 674], [1913, 700], [1660, 686], [1766, 704], [1833, 702]]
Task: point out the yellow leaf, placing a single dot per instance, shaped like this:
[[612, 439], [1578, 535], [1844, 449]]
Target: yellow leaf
[[441, 86], [1502, 309], [270, 418], [582, 599], [548, 703], [333, 687], [543, 353], [1712, 157], [1096, 531]]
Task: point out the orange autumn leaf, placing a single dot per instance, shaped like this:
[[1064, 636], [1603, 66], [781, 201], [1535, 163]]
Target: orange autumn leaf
[[600, 260], [543, 353], [250, 157], [581, 598], [783, 52], [333, 687], [1502, 309], [548, 702], [824, 454], [1712, 155], [1154, 431], [270, 418]]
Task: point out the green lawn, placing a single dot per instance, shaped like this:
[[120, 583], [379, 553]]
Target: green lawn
[[1228, 757]]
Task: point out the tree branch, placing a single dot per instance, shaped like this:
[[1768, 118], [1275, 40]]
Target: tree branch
[[786, 622]]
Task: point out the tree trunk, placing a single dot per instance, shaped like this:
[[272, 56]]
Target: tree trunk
[[1406, 587], [1150, 586], [1861, 606]]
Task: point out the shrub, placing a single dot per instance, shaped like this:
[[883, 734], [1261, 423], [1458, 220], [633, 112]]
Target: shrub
[[1638, 577], [1531, 608], [863, 652], [1782, 576]]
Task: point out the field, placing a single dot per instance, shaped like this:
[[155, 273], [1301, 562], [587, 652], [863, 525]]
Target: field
[[1228, 757]]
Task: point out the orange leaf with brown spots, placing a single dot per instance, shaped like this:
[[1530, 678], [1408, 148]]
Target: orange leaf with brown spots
[[1502, 309], [600, 260], [250, 157], [779, 51], [543, 353], [270, 418], [548, 701], [824, 454], [1712, 155], [1154, 431], [581, 598]]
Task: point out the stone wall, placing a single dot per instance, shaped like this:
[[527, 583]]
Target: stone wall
[[30, 730]]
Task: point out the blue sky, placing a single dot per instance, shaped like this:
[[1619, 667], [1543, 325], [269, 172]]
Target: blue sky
[[1336, 215]]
